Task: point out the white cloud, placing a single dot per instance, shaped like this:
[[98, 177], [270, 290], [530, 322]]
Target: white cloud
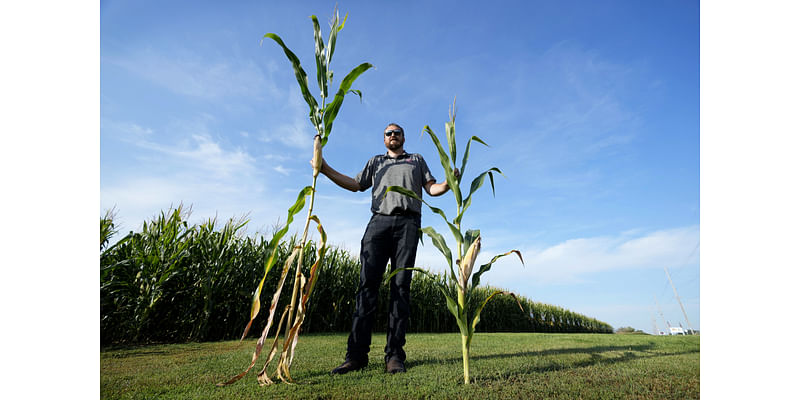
[[127, 130], [140, 198], [215, 158], [203, 154], [196, 150], [577, 260], [196, 170], [297, 134], [276, 157], [281, 170], [360, 200]]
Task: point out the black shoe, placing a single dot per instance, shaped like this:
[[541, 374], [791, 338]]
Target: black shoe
[[394, 366], [347, 366]]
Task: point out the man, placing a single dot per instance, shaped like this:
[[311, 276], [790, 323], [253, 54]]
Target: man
[[391, 235]]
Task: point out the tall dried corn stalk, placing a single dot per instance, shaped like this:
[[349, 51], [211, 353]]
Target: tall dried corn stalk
[[468, 244], [322, 116]]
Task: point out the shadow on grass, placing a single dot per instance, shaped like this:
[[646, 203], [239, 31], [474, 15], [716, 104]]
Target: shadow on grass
[[596, 359], [158, 349], [538, 353], [629, 353]]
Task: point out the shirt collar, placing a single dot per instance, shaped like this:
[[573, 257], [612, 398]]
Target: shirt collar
[[404, 155]]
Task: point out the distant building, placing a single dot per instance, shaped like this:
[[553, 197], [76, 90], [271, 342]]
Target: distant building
[[676, 330]]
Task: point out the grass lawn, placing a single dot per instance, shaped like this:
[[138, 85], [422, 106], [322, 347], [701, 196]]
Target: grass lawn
[[502, 366]]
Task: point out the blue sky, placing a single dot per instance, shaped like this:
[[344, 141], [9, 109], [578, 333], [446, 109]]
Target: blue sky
[[592, 111]]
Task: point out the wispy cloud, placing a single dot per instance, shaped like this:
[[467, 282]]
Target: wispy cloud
[[281, 170], [298, 132], [187, 73], [572, 107], [129, 129], [584, 114]]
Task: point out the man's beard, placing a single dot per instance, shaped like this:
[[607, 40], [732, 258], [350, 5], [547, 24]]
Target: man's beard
[[394, 145]]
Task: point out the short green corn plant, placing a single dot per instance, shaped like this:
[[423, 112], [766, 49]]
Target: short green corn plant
[[468, 244], [322, 116], [107, 228]]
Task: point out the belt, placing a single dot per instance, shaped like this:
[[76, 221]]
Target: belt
[[401, 213]]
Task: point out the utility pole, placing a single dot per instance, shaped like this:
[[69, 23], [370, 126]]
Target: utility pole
[[662, 315], [655, 326], [679, 301]]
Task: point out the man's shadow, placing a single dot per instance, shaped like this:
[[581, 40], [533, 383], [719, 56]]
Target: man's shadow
[[629, 353]]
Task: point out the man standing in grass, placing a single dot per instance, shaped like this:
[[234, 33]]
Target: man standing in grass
[[391, 235]]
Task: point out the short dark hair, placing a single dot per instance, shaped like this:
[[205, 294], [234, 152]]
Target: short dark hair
[[397, 125]]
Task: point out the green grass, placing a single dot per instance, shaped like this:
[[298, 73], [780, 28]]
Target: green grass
[[503, 365]]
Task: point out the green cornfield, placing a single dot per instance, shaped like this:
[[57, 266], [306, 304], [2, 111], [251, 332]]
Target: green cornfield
[[176, 282]]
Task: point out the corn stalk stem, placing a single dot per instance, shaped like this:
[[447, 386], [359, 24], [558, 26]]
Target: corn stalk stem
[[300, 258], [296, 287], [465, 356]]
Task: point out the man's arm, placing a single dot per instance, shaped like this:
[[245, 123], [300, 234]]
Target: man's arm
[[338, 178], [438, 189]]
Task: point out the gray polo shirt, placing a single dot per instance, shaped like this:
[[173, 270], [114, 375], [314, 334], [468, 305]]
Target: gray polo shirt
[[407, 170]]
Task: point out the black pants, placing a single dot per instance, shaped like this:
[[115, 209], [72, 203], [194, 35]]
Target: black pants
[[387, 238]]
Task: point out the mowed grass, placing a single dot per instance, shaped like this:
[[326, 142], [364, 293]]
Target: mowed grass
[[503, 365]]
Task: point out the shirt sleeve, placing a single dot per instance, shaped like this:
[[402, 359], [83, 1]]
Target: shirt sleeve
[[427, 176], [364, 178]]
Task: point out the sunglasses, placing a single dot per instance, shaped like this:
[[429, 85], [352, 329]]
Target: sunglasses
[[393, 132]]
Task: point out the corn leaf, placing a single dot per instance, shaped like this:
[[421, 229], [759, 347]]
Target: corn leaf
[[306, 288], [470, 237], [358, 93], [476, 184], [456, 232], [273, 245], [445, 161], [286, 355], [452, 305], [466, 155], [332, 109], [457, 312], [477, 317], [332, 37], [276, 296], [476, 278], [450, 129], [321, 231], [441, 244], [262, 377], [319, 53], [256, 353], [299, 73]]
